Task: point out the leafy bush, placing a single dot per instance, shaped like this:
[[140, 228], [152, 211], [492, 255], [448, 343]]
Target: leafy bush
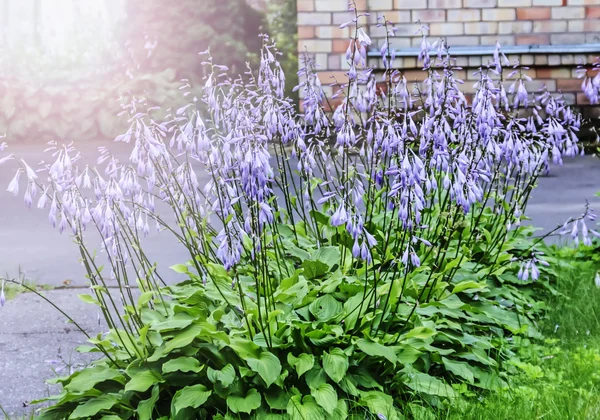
[[389, 263], [162, 34]]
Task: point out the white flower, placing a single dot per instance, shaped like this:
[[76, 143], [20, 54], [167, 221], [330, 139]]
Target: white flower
[[597, 280], [13, 187], [31, 175], [363, 38]]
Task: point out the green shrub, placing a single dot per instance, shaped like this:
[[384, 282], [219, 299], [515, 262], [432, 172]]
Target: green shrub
[[321, 354]]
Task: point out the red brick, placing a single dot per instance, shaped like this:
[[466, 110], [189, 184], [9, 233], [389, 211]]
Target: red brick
[[569, 85], [591, 25], [553, 73], [306, 32], [533, 13], [592, 12], [340, 45], [533, 39], [332, 104], [415, 75], [331, 77], [582, 99], [543, 73]]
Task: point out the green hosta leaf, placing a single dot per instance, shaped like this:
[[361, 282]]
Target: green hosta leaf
[[302, 363], [348, 385], [295, 251], [330, 285], [190, 396], [144, 299], [326, 397], [325, 308], [142, 381], [93, 407], [469, 286], [502, 316], [246, 404], [314, 269], [145, 408], [182, 364], [261, 341], [277, 398], [226, 375], [422, 382], [335, 364], [180, 268], [461, 369], [328, 255], [375, 349], [421, 333], [89, 299], [292, 290], [182, 339], [267, 366], [379, 403], [305, 408], [489, 381], [85, 381], [340, 412], [54, 413], [176, 322], [364, 379], [408, 355]]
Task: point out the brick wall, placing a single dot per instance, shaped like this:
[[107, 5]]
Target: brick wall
[[526, 28]]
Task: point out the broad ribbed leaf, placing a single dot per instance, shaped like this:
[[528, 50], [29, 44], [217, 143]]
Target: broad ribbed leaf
[[379, 404], [179, 268], [326, 397], [267, 366], [302, 363], [226, 375], [461, 369], [93, 406], [182, 364], [306, 408], [142, 381], [190, 396], [246, 404], [314, 269], [422, 382], [375, 349], [469, 286], [335, 364], [277, 398], [329, 255], [325, 308], [340, 412], [85, 381], [145, 408], [182, 339]]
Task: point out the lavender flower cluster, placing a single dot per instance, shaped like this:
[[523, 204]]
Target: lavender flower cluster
[[590, 81], [392, 150]]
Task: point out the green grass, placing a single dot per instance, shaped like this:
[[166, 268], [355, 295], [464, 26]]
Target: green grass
[[561, 379], [25, 285]]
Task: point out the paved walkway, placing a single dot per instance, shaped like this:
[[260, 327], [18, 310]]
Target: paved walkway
[[37, 343], [33, 334]]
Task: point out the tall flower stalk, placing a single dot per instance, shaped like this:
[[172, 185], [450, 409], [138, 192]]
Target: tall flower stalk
[[397, 178]]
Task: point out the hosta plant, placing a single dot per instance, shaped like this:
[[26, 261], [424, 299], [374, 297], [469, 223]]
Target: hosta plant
[[339, 263]]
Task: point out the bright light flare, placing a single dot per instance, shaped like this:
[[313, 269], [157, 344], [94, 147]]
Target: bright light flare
[[57, 34]]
